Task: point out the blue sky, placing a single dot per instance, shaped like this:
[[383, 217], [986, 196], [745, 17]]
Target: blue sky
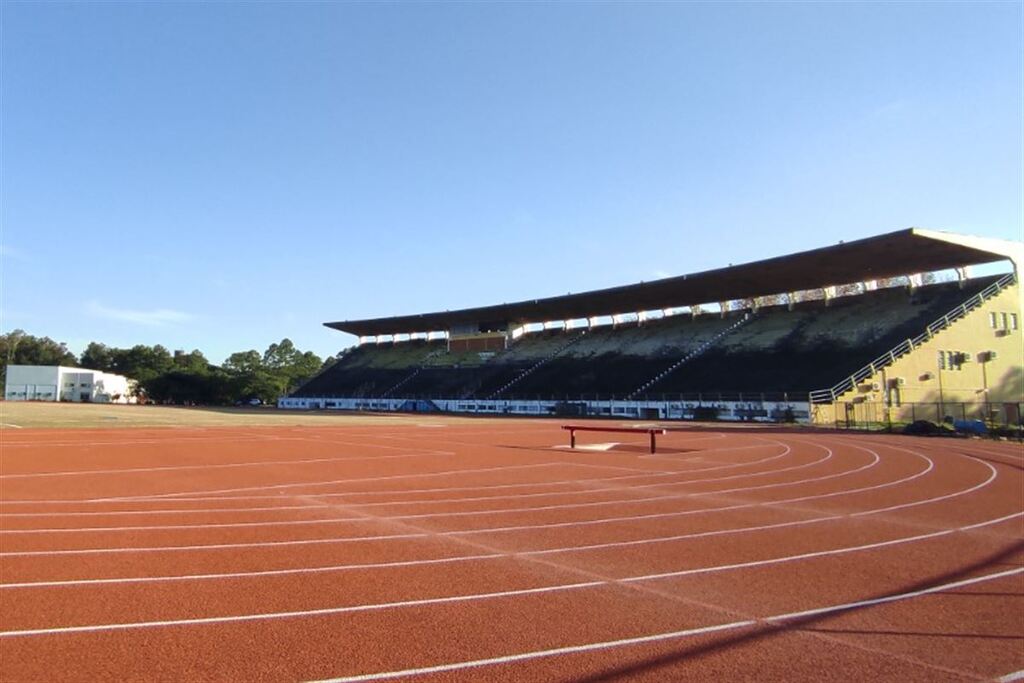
[[219, 176]]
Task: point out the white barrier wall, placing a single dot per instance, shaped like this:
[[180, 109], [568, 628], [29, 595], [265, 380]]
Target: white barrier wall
[[767, 411]]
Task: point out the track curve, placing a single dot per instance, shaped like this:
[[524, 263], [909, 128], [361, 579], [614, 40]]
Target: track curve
[[489, 550]]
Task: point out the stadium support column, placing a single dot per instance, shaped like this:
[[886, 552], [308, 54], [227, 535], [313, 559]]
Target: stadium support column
[[790, 300], [962, 273], [723, 308], [829, 293]]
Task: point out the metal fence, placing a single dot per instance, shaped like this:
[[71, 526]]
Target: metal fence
[[1003, 418]]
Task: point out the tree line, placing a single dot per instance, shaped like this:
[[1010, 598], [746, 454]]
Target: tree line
[[178, 377]]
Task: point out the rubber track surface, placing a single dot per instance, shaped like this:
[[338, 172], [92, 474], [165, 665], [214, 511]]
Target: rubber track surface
[[490, 551]]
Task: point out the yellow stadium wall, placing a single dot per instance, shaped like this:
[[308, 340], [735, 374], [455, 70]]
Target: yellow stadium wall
[[979, 383]]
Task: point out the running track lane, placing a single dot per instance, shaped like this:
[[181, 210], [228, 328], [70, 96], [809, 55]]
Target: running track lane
[[982, 640]]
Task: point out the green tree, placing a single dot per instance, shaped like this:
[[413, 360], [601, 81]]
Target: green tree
[[19, 348], [97, 356], [142, 363], [251, 378], [281, 356], [193, 363], [289, 366]]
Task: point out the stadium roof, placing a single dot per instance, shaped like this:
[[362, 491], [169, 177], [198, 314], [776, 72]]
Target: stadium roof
[[913, 250]]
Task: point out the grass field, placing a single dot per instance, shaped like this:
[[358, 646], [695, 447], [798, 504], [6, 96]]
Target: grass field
[[37, 415]]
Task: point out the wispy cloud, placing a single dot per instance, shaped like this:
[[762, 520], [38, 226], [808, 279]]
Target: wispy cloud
[[155, 318], [13, 253], [890, 110]]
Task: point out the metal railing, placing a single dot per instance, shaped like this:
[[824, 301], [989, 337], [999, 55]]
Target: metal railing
[[892, 355], [530, 370], [701, 348], [402, 382]]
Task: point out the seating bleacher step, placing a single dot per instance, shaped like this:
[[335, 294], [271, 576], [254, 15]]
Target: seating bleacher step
[[701, 348], [525, 373]]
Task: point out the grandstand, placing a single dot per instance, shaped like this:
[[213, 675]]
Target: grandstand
[[876, 327]]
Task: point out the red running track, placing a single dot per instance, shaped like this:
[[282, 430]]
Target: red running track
[[489, 551]]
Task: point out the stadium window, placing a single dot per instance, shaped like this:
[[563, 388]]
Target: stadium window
[[992, 320], [1013, 321], [942, 360], [1006, 326]]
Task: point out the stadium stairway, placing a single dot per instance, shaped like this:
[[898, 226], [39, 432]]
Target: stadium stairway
[[886, 359], [702, 348], [402, 383], [533, 368]]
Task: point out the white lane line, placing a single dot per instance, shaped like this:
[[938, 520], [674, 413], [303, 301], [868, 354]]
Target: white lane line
[[268, 463], [272, 508], [12, 426], [423, 501], [444, 489], [298, 613], [1008, 678], [467, 532], [134, 442], [652, 474], [371, 444], [276, 486], [185, 527], [992, 475], [697, 453], [820, 553], [268, 572], [393, 477], [492, 595], [467, 513], [672, 635], [425, 515], [427, 501], [527, 553], [407, 563], [211, 546]]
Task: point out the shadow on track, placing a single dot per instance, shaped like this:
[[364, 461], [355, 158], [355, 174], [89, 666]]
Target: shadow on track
[[768, 630]]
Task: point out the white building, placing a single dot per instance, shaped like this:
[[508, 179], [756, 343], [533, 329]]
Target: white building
[[52, 383]]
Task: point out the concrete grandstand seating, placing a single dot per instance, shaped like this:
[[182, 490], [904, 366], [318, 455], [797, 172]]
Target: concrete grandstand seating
[[780, 350]]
